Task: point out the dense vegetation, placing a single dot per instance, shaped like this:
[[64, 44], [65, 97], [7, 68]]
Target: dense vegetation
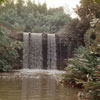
[[86, 12], [32, 17], [8, 51], [28, 17], [83, 70], [9, 56]]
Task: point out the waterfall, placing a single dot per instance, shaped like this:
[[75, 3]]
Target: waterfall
[[32, 50], [36, 59], [25, 50], [33, 53], [51, 57]]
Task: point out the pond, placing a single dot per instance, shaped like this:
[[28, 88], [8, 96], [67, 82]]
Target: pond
[[34, 85]]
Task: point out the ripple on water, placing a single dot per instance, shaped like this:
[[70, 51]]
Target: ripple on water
[[34, 85]]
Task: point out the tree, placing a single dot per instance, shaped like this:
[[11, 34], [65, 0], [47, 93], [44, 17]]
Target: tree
[[87, 10], [33, 17], [2, 1], [9, 56]]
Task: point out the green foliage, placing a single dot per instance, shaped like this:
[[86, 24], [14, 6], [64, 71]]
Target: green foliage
[[93, 88], [33, 17], [2, 1], [92, 41], [8, 51], [84, 67], [92, 37], [78, 27], [84, 62], [88, 9], [79, 67], [98, 1]]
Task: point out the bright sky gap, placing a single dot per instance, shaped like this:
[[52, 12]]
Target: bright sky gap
[[67, 4]]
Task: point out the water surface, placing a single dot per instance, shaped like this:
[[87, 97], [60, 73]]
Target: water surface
[[34, 86]]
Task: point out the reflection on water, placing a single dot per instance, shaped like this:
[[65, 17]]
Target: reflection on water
[[39, 87]]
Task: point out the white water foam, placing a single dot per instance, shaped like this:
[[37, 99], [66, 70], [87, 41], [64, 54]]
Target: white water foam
[[40, 71]]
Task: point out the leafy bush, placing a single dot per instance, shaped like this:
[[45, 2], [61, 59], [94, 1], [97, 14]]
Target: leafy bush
[[93, 87], [8, 51], [81, 68], [84, 62], [84, 71]]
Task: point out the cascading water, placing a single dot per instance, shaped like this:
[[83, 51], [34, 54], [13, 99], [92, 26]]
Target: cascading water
[[32, 51], [36, 58], [51, 57], [26, 50]]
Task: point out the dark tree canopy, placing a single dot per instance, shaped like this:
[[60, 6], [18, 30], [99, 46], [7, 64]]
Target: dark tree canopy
[[33, 17], [87, 10], [2, 1]]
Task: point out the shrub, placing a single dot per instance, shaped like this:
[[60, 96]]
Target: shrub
[[81, 68], [8, 51]]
